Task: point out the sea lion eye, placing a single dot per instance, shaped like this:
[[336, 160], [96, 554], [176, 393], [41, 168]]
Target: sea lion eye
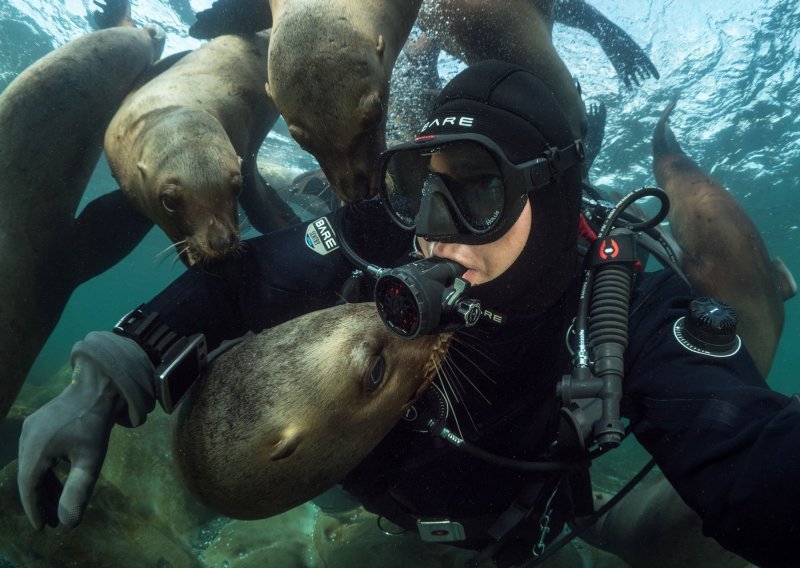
[[170, 200], [376, 375]]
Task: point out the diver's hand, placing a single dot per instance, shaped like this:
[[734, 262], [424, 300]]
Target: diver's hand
[[75, 427]]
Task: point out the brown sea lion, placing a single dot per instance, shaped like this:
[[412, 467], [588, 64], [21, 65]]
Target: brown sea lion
[[723, 256], [253, 441], [177, 143], [330, 62], [723, 253], [517, 31], [53, 116]]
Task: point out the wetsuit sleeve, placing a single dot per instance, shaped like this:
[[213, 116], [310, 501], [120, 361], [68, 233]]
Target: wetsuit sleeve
[[277, 277], [728, 444]]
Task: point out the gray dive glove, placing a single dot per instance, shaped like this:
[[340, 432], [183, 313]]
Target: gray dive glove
[[112, 382]]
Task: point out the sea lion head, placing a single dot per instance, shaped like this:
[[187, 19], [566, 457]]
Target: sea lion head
[[288, 413], [342, 122], [188, 181]]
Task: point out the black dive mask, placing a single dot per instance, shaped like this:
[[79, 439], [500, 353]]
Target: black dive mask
[[461, 187]]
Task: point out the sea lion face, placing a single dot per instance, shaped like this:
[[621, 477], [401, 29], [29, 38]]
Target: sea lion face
[[287, 413], [348, 144], [201, 221], [188, 182], [341, 122]]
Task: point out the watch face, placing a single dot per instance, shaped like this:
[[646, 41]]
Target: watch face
[[181, 370]]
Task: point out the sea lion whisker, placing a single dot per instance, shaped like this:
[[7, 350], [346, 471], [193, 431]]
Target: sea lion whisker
[[170, 247], [452, 375], [474, 364], [454, 380], [478, 340], [483, 354], [164, 254], [453, 384], [181, 252], [449, 402], [458, 371]]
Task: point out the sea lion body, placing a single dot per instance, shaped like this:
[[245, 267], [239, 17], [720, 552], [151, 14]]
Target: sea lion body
[[517, 31], [340, 120], [723, 254], [54, 115], [288, 413], [176, 145]]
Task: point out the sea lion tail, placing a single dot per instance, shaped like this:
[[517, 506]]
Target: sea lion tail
[[664, 141]]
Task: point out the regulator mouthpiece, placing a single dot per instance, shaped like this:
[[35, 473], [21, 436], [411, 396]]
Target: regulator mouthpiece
[[425, 297]]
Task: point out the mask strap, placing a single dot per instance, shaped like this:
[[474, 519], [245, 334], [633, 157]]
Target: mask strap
[[555, 162]]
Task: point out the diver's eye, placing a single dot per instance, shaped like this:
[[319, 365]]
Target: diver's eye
[[375, 378]]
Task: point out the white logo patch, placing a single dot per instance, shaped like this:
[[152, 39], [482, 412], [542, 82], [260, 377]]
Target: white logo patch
[[320, 236]]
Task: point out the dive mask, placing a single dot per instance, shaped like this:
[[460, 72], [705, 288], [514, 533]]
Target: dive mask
[[461, 187]]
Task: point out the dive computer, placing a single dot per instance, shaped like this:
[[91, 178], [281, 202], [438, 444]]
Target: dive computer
[[178, 360]]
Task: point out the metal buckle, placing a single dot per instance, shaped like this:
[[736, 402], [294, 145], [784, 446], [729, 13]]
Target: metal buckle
[[443, 530]]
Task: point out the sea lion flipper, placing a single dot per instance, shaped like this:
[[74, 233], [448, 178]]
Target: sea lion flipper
[[629, 60], [786, 282], [664, 141], [112, 13], [106, 231], [596, 114], [232, 17]]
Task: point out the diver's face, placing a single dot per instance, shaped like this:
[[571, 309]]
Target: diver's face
[[483, 262]]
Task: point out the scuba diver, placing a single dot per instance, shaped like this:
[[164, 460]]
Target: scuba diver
[[559, 335]]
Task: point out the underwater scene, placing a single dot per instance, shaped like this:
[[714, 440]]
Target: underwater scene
[[726, 72]]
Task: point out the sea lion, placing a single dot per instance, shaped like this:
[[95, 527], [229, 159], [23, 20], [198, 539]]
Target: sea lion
[[723, 253], [252, 441], [517, 31], [176, 147], [652, 526], [340, 120], [53, 116], [723, 256]]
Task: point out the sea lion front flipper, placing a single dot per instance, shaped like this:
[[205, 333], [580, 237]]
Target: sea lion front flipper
[[112, 13], [785, 279], [232, 17], [106, 231], [629, 60], [264, 208], [596, 114]]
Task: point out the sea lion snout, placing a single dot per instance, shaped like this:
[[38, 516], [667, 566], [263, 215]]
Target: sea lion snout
[[353, 186], [218, 239], [222, 238]]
